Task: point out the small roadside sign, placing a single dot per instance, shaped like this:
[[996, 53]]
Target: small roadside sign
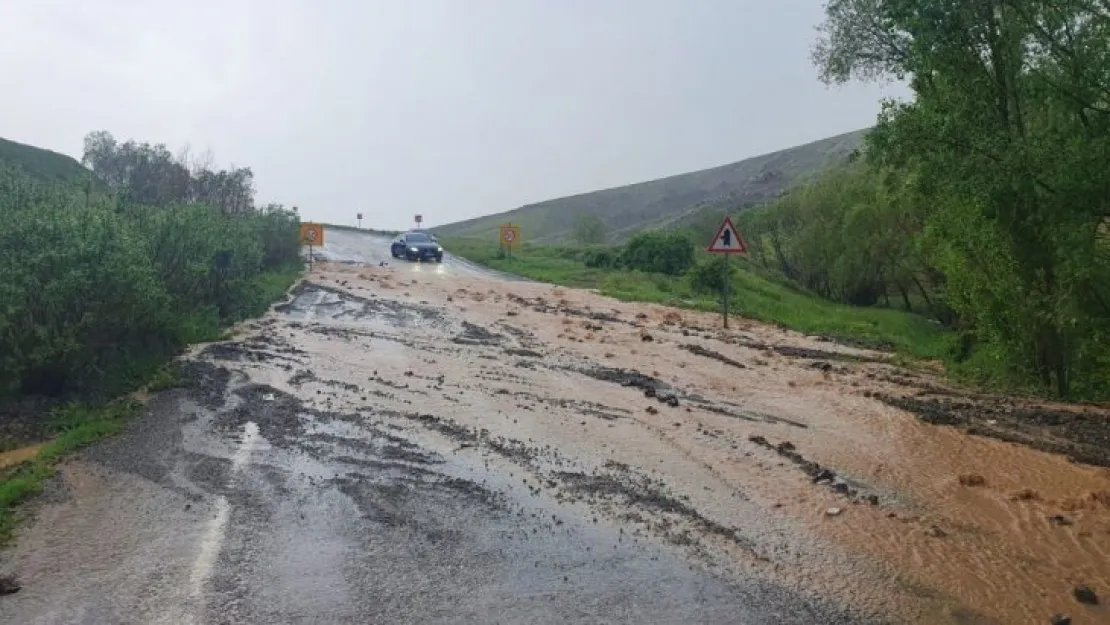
[[359, 216], [510, 234], [312, 234], [419, 219], [727, 240]]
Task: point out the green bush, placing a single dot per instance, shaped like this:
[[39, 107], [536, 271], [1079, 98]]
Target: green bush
[[601, 258], [95, 295], [708, 274], [658, 252]]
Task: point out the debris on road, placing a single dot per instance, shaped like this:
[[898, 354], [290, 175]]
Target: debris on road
[[1083, 594], [698, 350], [9, 585], [972, 480]]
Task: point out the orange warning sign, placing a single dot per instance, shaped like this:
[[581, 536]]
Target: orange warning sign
[[510, 234], [312, 234]]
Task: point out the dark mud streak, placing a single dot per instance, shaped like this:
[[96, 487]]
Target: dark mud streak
[[819, 474], [807, 353], [641, 492], [582, 407], [1082, 436], [698, 350], [665, 393], [477, 335], [541, 305], [241, 352]]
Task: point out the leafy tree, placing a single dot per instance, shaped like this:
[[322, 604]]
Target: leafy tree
[[94, 291], [589, 230], [1007, 137]]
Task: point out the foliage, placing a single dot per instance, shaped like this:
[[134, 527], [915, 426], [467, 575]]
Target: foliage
[[589, 229], [657, 251], [95, 293], [152, 176], [852, 236], [708, 274], [1002, 154], [602, 257]]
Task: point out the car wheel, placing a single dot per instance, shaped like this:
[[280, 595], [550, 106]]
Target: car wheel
[[439, 259]]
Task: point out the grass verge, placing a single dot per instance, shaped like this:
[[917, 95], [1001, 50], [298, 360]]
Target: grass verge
[[755, 294], [74, 426]]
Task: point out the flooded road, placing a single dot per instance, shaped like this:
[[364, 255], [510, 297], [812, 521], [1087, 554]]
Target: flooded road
[[429, 444]]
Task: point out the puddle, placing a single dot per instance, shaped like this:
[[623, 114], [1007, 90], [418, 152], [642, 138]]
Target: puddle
[[19, 456]]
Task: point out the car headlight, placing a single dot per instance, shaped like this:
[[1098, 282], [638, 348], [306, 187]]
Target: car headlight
[[413, 249], [439, 249]]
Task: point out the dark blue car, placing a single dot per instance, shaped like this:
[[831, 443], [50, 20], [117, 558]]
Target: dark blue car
[[416, 246]]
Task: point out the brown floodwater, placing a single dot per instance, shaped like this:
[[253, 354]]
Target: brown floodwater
[[19, 456], [1007, 544]]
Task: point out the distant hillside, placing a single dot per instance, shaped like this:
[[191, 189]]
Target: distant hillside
[[669, 201], [43, 165]]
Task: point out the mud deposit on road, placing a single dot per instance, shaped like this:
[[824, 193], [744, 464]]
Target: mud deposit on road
[[1080, 434], [396, 445]]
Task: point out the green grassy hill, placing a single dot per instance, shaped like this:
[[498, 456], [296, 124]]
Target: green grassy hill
[[671, 201], [45, 165]]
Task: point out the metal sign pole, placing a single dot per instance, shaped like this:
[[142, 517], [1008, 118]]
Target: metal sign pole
[[728, 266]]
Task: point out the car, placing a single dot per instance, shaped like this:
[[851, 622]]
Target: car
[[416, 246]]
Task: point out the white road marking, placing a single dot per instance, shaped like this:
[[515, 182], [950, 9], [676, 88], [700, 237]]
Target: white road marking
[[214, 532]]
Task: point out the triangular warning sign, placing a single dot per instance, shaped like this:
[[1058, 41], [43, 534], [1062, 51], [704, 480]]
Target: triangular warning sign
[[727, 240]]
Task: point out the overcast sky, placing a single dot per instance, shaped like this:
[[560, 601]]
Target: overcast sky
[[449, 108]]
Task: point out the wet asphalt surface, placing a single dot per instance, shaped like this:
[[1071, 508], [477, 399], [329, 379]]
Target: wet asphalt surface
[[257, 494]]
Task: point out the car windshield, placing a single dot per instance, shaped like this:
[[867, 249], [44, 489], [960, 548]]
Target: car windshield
[[417, 237]]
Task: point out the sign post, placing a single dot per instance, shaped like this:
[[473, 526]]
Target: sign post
[[419, 220], [727, 241], [509, 235], [359, 221], [311, 235]]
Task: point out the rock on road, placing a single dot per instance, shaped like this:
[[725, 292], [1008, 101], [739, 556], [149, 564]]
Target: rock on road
[[431, 444]]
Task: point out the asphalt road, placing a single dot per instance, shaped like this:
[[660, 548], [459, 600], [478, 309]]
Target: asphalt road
[[345, 246], [347, 460]]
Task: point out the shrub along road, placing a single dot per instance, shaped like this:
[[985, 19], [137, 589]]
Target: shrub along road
[[418, 443]]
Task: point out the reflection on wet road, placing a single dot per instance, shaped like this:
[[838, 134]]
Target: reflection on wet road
[[357, 248]]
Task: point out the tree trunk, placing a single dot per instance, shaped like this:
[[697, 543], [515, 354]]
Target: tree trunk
[[905, 296]]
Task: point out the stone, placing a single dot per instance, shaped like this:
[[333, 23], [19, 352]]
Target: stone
[[1083, 594]]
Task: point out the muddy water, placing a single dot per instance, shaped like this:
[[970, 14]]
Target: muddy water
[[18, 456], [1010, 548]]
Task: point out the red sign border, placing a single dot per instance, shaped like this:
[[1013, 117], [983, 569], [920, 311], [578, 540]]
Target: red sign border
[[727, 223]]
